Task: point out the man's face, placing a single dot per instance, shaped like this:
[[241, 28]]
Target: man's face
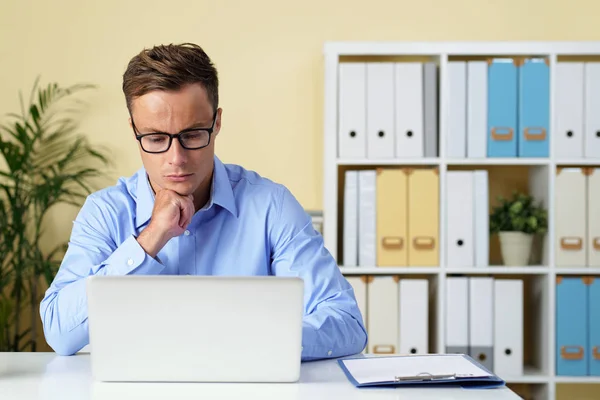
[[181, 170]]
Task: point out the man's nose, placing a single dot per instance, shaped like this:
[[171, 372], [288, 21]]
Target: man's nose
[[177, 155]]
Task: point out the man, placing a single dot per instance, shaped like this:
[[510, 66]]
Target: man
[[187, 213]]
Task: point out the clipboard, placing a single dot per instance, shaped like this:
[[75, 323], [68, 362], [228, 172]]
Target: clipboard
[[418, 370]]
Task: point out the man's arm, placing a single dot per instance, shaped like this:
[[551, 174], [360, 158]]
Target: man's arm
[[92, 251], [332, 325]]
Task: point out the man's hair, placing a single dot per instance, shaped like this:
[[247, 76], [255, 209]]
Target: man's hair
[[170, 67]]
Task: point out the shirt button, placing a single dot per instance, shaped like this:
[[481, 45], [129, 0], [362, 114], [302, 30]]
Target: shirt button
[[130, 262], [329, 353], [187, 233]]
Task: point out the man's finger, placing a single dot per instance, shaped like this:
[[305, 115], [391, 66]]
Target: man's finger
[[187, 212], [192, 210]]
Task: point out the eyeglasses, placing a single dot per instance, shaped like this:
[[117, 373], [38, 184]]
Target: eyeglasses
[[160, 142]]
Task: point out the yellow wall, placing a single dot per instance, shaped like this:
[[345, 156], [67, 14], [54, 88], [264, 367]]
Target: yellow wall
[[268, 52]]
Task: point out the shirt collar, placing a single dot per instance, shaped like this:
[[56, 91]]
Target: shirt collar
[[221, 193]]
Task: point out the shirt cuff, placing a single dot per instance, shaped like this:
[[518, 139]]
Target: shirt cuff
[[130, 258]]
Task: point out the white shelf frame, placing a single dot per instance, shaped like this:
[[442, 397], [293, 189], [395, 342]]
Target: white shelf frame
[[442, 51]]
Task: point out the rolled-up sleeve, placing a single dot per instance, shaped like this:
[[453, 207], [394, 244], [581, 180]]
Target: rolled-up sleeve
[[92, 250], [332, 325]]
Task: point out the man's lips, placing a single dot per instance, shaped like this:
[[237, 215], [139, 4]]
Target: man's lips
[[178, 177]]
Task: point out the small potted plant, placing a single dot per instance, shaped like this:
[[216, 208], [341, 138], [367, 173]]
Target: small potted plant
[[517, 221]]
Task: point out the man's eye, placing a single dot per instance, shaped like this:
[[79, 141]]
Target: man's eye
[[193, 136]]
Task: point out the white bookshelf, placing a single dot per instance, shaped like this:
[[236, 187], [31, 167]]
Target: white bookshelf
[[540, 279], [364, 270]]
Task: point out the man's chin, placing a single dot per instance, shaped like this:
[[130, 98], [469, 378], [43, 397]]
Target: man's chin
[[181, 188]]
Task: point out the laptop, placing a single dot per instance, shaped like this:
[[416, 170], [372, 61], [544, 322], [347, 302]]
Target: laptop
[[195, 328]]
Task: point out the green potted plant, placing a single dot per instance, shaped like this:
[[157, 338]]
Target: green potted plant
[[517, 220], [44, 161]]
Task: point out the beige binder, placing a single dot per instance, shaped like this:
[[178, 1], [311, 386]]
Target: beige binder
[[423, 214], [391, 217], [570, 208], [593, 217], [382, 305]]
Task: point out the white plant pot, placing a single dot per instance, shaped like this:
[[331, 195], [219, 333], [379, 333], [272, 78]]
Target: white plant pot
[[515, 248]]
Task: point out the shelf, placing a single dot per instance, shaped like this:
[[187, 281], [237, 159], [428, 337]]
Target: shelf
[[577, 379], [577, 271], [530, 375], [463, 48], [497, 161], [450, 162], [389, 161], [528, 270], [578, 161], [388, 270]]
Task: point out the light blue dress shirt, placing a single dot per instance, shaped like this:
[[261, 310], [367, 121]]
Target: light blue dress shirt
[[250, 226]]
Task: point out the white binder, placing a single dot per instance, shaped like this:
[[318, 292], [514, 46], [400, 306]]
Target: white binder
[[351, 219], [457, 315], [570, 212], [481, 324], [409, 110], [414, 316], [508, 327], [367, 200], [593, 218], [569, 97], [592, 105], [477, 109], [459, 218], [380, 110], [430, 109], [456, 142], [382, 306], [481, 218], [352, 111], [359, 284]]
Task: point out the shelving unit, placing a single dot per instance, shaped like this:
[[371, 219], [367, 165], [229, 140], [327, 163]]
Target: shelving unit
[[539, 280]]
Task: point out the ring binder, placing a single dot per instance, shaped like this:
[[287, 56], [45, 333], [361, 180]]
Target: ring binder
[[442, 369], [423, 376]]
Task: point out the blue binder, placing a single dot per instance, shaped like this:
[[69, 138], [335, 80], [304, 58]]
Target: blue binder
[[502, 108], [594, 325], [571, 326], [379, 366], [534, 108]]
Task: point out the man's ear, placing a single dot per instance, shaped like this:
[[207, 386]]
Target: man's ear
[[218, 121]]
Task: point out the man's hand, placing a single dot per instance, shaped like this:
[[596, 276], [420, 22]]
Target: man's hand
[[171, 215]]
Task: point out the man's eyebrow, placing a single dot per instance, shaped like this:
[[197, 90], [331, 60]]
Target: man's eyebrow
[[197, 125]]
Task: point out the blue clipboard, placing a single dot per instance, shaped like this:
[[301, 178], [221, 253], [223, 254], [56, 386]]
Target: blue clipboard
[[426, 379]]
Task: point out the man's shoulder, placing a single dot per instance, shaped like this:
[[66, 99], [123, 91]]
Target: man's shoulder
[[248, 178], [118, 197], [250, 187]]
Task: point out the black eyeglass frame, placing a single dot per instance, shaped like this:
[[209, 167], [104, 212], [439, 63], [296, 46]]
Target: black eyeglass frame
[[174, 136]]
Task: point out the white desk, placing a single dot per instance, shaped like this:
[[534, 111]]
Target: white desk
[[27, 376]]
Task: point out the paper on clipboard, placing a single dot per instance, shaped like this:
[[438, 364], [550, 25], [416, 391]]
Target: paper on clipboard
[[382, 369]]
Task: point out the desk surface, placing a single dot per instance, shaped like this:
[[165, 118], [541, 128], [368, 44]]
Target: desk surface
[[27, 376]]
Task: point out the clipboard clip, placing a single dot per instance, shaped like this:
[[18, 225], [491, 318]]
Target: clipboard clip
[[423, 377]]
